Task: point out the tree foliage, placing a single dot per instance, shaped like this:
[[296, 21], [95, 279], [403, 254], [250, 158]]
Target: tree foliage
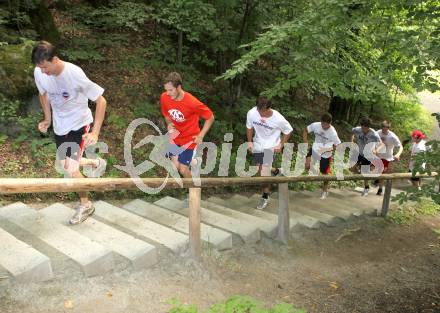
[[351, 49]]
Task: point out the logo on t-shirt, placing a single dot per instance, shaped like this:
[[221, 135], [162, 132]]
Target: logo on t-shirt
[[65, 95], [176, 115]]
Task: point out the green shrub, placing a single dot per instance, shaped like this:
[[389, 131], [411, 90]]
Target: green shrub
[[409, 213], [408, 114], [237, 304]]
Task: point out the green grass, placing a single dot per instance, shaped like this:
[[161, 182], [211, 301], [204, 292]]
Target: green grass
[[409, 213], [437, 231], [236, 304]]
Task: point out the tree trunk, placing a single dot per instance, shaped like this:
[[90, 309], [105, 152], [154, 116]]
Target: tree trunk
[[179, 47], [340, 108], [244, 21], [98, 3], [42, 20]]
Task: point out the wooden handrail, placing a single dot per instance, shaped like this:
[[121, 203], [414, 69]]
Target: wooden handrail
[[45, 185], [50, 185]]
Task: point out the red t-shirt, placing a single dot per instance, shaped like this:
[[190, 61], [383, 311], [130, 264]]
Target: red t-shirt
[[185, 116]]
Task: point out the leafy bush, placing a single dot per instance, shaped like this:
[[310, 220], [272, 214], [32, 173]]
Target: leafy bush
[[118, 14], [237, 304], [8, 109], [408, 114], [408, 213]]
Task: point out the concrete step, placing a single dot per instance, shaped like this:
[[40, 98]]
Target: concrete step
[[93, 258], [369, 204], [331, 204], [311, 201], [141, 254], [249, 233], [373, 190], [269, 228], [244, 204], [296, 207], [22, 261], [173, 240], [238, 204], [218, 238], [303, 219]]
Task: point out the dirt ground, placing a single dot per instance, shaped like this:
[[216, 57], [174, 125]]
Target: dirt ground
[[364, 265]]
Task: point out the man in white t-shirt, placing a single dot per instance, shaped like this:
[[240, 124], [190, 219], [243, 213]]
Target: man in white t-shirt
[[326, 139], [386, 153], [267, 124], [64, 93], [369, 143], [418, 146]]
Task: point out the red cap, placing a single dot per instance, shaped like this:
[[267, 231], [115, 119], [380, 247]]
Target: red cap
[[417, 134]]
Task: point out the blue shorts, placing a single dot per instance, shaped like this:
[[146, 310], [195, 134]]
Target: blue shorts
[[184, 156]]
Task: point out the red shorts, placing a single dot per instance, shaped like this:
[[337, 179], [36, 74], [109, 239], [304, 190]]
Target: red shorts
[[386, 165]]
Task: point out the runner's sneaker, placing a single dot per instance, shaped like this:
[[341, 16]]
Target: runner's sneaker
[[263, 203], [83, 211], [324, 195], [276, 172], [365, 192], [379, 191]]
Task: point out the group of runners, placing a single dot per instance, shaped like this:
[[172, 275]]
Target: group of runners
[[64, 91]]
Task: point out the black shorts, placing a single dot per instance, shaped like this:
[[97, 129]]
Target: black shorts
[[324, 163], [263, 158], [77, 147], [362, 160]]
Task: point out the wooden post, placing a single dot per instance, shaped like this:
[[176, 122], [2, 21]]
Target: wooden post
[[283, 213], [386, 197], [195, 244]]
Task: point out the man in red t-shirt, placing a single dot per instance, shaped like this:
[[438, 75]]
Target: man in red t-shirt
[[182, 111]]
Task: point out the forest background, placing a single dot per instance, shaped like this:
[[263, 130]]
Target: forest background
[[351, 58]]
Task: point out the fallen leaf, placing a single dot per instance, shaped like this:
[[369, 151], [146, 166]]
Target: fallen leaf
[[68, 304], [333, 285], [109, 294]]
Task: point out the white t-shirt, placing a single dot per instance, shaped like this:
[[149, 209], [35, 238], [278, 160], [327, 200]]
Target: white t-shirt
[[324, 138], [267, 129], [68, 96], [417, 147], [390, 140]]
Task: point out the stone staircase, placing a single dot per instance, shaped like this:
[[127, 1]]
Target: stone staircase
[[36, 245]]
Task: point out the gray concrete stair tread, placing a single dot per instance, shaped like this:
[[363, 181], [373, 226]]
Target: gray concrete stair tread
[[218, 238], [267, 227], [93, 258], [312, 202], [300, 218], [249, 233], [247, 205], [296, 206], [394, 191], [173, 240], [23, 262], [236, 203], [368, 204], [325, 205], [140, 253]]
